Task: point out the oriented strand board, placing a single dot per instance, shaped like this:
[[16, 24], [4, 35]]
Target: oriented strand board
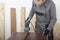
[[13, 20], [32, 24], [22, 18], [57, 31], [2, 25]]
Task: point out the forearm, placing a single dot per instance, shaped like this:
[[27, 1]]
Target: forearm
[[53, 18], [52, 23], [31, 11]]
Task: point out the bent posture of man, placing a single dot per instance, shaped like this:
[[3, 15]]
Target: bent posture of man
[[45, 17]]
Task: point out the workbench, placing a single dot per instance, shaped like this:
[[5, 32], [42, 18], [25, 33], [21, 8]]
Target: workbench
[[31, 36]]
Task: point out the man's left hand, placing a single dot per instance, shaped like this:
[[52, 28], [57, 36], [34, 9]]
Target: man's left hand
[[46, 32]]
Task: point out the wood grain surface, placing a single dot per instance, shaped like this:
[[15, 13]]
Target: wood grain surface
[[31, 36]]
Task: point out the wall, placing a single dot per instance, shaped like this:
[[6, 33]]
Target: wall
[[57, 2]]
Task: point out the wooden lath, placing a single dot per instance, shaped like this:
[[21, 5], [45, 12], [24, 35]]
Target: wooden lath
[[2, 21], [13, 20], [22, 18]]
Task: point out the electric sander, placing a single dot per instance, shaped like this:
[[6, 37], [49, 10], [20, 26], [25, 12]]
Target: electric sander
[[27, 28]]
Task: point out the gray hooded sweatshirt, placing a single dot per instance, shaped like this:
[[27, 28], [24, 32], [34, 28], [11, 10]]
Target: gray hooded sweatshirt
[[45, 15]]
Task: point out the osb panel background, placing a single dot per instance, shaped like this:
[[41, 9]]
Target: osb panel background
[[57, 31], [1, 21], [32, 24]]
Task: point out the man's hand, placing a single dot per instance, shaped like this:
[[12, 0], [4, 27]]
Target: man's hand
[[27, 28], [46, 32]]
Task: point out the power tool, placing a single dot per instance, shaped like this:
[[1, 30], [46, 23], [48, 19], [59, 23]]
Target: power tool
[[27, 22], [27, 28]]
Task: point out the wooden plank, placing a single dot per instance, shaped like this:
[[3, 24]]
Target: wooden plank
[[2, 18], [56, 31], [13, 20], [22, 18], [31, 36]]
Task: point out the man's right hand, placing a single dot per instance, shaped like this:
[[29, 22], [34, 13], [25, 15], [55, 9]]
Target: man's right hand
[[27, 22]]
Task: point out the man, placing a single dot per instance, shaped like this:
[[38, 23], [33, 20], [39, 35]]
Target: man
[[45, 17]]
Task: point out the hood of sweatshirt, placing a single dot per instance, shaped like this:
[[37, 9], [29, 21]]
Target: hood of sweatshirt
[[44, 1]]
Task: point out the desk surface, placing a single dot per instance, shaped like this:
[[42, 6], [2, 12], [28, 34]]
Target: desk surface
[[31, 36]]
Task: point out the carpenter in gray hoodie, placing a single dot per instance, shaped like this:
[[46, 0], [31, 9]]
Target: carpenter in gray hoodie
[[45, 17]]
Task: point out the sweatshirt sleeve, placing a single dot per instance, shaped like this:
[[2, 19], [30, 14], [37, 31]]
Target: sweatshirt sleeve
[[53, 18], [31, 11]]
